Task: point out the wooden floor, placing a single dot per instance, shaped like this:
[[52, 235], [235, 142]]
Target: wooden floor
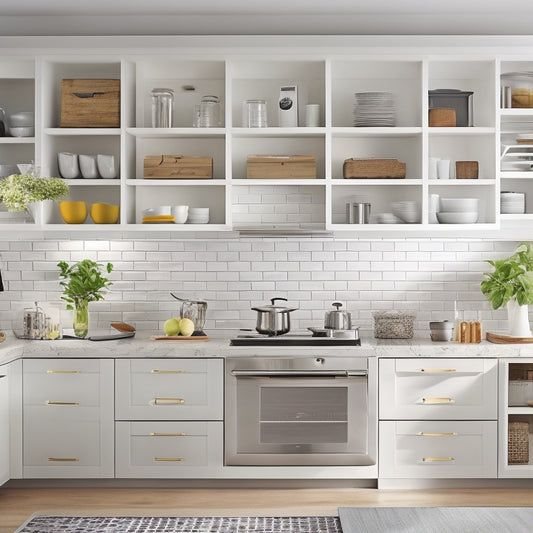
[[17, 504]]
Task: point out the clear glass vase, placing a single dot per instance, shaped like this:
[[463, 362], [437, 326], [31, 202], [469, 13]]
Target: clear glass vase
[[81, 318]]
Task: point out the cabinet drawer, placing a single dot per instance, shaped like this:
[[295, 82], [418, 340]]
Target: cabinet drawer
[[63, 381], [438, 449], [447, 389], [168, 449], [163, 389]]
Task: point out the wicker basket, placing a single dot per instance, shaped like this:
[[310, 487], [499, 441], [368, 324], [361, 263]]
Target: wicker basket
[[518, 443]]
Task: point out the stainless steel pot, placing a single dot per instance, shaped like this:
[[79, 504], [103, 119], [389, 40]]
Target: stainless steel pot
[[193, 309], [273, 319], [338, 319]]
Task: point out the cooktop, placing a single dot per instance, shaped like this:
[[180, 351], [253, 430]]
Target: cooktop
[[292, 340]]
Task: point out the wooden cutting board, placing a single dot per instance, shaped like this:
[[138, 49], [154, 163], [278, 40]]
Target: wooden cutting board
[[181, 338], [507, 339]]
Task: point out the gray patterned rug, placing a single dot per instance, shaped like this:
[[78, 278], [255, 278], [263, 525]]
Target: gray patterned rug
[[125, 524]]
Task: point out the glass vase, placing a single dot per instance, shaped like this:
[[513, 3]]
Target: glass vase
[[81, 318]]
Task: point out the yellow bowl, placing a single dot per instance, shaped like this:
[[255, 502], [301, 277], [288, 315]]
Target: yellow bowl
[[104, 213], [73, 212]]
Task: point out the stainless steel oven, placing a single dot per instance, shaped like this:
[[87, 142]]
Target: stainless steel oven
[[300, 411]]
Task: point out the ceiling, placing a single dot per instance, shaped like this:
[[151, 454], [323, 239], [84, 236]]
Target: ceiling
[[265, 17]]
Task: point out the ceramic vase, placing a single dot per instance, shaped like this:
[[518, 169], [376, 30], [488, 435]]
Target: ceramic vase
[[518, 319]]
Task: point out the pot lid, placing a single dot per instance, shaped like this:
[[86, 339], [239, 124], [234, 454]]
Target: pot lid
[[275, 308], [187, 299]]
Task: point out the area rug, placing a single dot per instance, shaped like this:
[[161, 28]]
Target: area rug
[[125, 524], [436, 519]]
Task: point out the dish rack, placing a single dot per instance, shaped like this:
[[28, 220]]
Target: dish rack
[[517, 157]]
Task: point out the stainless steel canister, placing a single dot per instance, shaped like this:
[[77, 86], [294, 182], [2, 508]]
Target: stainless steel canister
[[358, 212], [162, 108]]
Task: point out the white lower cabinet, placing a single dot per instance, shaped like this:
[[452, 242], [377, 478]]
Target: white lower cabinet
[[438, 449], [4, 425], [68, 428]]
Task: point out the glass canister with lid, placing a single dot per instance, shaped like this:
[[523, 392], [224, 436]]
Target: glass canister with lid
[[209, 112], [162, 107]]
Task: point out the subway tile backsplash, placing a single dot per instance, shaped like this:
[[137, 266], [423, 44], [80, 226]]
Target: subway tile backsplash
[[234, 274]]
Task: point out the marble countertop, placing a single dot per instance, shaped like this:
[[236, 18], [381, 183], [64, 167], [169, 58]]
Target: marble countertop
[[142, 345]]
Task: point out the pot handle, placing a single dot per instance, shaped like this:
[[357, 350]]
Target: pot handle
[[337, 305], [272, 300]]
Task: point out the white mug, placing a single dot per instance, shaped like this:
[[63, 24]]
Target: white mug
[[312, 115], [443, 169], [432, 168]]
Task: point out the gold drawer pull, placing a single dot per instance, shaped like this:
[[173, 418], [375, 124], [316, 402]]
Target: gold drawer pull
[[175, 459], [63, 371], [438, 400], [423, 434], [50, 402], [437, 459], [168, 434], [438, 370], [63, 459], [159, 401], [156, 371]]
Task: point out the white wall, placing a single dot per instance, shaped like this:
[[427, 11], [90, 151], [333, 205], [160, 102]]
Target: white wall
[[427, 276]]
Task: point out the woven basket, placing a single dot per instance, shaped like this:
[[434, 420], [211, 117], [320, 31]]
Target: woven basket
[[518, 443]]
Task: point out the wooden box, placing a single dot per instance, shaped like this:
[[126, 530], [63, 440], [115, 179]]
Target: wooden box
[[92, 103], [281, 167], [178, 166], [441, 117], [466, 170], [373, 168]]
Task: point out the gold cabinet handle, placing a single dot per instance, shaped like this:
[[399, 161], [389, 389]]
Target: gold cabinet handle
[[162, 401], [50, 402], [437, 459], [438, 370], [438, 400], [63, 459], [63, 372], [168, 434], [156, 371], [424, 434], [175, 459]]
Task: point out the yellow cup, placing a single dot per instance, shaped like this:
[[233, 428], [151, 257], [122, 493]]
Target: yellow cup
[[104, 213], [73, 212]]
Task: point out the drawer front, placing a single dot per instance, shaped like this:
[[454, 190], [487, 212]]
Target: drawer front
[[168, 449], [438, 449], [69, 381], [438, 389], [163, 389]]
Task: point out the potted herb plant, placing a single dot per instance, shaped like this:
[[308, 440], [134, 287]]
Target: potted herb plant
[[511, 284], [83, 282]]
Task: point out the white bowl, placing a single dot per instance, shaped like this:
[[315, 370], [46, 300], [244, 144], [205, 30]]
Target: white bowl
[[68, 165], [106, 166], [88, 167], [22, 119], [458, 218], [459, 205], [406, 211], [28, 131], [179, 212], [157, 211]]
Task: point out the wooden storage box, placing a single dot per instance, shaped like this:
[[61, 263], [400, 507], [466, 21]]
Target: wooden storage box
[[373, 168], [441, 118], [281, 166], [92, 103], [178, 166], [466, 170]]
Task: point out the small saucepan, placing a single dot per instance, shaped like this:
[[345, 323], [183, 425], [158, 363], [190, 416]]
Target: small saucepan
[[273, 319]]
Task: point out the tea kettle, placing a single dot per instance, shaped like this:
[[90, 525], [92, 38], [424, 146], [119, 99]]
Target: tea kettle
[[194, 310]]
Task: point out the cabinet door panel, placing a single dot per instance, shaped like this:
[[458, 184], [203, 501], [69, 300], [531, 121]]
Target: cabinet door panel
[[4, 426]]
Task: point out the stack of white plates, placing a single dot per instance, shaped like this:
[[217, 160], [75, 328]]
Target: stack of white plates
[[198, 215], [387, 218], [374, 109], [512, 203], [458, 211]]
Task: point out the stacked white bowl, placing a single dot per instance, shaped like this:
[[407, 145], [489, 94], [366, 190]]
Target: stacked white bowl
[[406, 211], [458, 211], [512, 203], [198, 215], [22, 124]]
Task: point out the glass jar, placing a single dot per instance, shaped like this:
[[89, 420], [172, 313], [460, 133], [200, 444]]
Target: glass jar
[[162, 107], [254, 114], [209, 116]]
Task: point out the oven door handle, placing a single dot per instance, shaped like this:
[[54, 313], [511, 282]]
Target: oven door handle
[[299, 373]]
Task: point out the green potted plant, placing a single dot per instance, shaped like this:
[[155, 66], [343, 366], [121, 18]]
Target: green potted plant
[[82, 282], [19, 192], [511, 284]]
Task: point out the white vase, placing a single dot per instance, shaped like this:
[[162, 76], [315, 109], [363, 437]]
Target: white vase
[[35, 209], [518, 319]]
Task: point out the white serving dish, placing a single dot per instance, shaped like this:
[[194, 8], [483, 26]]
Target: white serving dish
[[459, 205], [458, 218], [157, 211], [28, 131]]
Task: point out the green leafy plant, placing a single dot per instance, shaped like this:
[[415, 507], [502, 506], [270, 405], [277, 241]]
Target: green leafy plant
[[19, 190], [85, 282], [512, 278]]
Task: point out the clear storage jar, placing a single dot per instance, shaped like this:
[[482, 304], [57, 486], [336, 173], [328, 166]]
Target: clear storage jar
[[162, 107], [209, 112], [254, 114], [393, 324]]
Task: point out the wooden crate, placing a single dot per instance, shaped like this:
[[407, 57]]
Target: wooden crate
[[281, 167], [373, 168], [442, 117], [93, 103], [178, 167], [466, 170]]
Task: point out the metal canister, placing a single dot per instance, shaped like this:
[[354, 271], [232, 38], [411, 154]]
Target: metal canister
[[162, 107], [358, 212]]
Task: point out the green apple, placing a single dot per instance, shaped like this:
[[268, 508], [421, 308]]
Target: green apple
[[186, 327], [172, 327]]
